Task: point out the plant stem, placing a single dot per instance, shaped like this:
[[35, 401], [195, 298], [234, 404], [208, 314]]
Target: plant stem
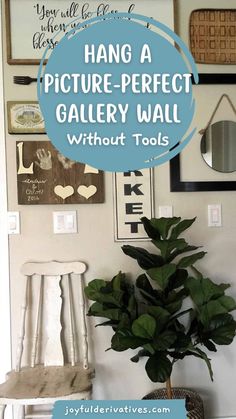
[[169, 389]]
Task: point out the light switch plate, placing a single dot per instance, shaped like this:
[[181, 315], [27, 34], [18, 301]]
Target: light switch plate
[[214, 215], [13, 219], [64, 222], [165, 211]]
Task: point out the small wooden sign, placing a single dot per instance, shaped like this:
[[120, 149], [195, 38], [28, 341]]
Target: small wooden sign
[[25, 118], [133, 199], [213, 36], [44, 176]]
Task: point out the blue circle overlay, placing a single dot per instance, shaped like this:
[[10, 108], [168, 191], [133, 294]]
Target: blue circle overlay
[[103, 129]]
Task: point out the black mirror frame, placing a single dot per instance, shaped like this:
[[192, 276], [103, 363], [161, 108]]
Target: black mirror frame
[[176, 184]]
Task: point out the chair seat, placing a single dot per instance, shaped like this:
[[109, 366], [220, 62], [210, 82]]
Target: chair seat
[[46, 382]]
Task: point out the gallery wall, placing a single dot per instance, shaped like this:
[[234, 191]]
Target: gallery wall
[[116, 376]]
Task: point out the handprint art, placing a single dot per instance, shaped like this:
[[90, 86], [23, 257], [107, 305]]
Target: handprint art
[[45, 159]]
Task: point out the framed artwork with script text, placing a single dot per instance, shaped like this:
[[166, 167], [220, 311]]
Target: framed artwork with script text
[[40, 20]]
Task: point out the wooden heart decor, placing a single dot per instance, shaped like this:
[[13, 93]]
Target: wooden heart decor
[[87, 191], [64, 191], [44, 176]]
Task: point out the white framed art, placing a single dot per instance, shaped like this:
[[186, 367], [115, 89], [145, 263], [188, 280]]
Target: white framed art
[[133, 199], [26, 43]]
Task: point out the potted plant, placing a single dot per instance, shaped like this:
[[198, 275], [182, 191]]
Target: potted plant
[[172, 311]]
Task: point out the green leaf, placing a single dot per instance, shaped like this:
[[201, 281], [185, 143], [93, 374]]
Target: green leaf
[[152, 232], [92, 291], [209, 345], [164, 340], [107, 292], [200, 354], [185, 249], [182, 342], [161, 275], [167, 246], [158, 368], [161, 316], [98, 310], [224, 286], [204, 290], [123, 340], [222, 329], [158, 313], [209, 310], [125, 322], [227, 302], [190, 260], [146, 290], [177, 279], [139, 355], [180, 227], [144, 326], [132, 305], [149, 348], [117, 281], [145, 259], [174, 301], [142, 282], [163, 224], [175, 306], [111, 323]]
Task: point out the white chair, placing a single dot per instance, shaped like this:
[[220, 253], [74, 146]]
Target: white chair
[[55, 378]]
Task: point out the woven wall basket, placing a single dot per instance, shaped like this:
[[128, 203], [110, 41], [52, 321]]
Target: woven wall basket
[[212, 35], [194, 404]]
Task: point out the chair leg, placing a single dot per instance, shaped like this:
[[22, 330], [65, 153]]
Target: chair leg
[[21, 412], [2, 410]]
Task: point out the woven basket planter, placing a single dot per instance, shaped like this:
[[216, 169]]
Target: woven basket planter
[[194, 404]]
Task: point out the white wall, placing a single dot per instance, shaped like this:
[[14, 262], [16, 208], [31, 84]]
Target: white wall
[[5, 359], [5, 326], [116, 376]]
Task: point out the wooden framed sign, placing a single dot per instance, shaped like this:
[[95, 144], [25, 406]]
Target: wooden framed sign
[[25, 118], [44, 176], [133, 199], [208, 28], [31, 25]]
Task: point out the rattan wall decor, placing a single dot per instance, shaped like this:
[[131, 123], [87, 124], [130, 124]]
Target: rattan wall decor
[[212, 35]]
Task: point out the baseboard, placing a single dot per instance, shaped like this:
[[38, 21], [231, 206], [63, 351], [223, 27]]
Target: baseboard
[[226, 417]]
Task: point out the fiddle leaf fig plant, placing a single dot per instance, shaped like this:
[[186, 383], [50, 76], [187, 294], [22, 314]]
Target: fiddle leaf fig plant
[[172, 311]]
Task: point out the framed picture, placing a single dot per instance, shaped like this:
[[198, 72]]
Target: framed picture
[[133, 199], [209, 32], [25, 118], [44, 176], [26, 42], [200, 176]]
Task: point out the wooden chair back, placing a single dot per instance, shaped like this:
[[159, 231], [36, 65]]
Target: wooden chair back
[[49, 302]]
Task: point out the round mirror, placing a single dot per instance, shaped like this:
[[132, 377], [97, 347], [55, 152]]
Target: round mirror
[[218, 146]]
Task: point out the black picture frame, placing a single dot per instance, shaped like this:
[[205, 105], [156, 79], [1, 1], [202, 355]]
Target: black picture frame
[[176, 184]]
